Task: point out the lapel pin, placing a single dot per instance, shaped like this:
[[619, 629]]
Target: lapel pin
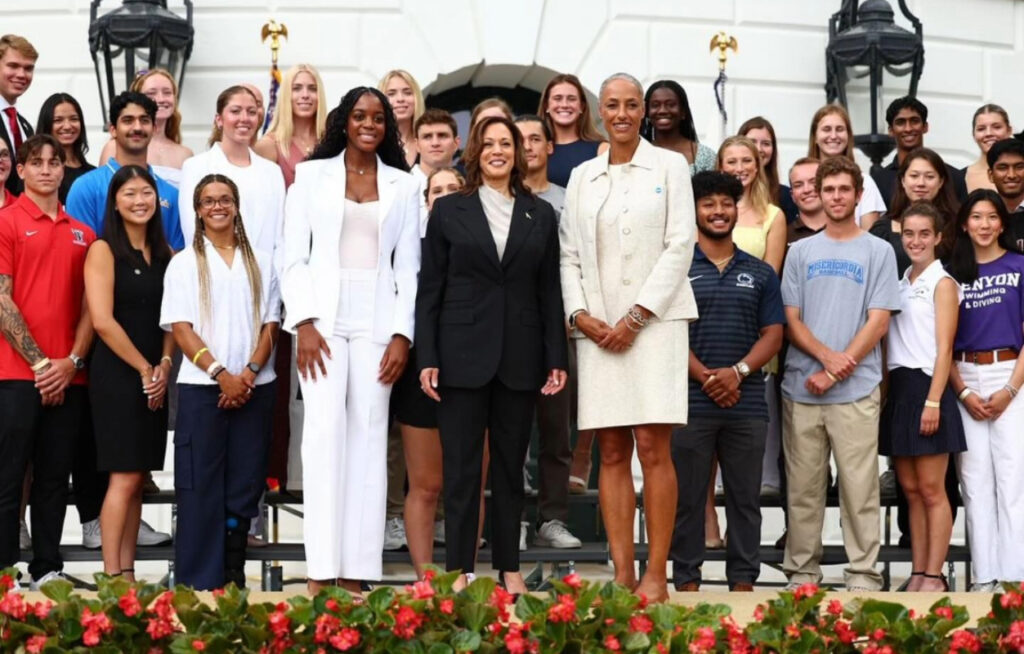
[[528, 216]]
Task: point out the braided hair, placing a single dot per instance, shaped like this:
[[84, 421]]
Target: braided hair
[[252, 269], [335, 139]]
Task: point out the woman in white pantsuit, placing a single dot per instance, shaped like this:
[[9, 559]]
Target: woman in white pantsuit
[[352, 253], [627, 236]]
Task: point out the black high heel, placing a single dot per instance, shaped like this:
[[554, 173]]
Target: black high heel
[[915, 573], [941, 577], [501, 582]]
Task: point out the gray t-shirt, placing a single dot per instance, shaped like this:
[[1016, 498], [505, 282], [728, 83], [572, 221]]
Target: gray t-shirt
[[555, 196], [834, 284]]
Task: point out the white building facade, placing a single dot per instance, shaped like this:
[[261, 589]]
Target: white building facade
[[974, 54]]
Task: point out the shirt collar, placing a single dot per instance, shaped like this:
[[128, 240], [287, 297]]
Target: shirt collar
[[114, 166], [737, 256], [34, 212], [643, 157], [3, 105]]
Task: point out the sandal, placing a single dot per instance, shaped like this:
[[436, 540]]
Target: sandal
[[941, 577], [579, 473], [913, 573]]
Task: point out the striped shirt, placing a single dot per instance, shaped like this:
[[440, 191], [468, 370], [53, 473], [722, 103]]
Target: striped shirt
[[734, 306]]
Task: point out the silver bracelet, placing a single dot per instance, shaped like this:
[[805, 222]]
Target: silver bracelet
[[1011, 390], [637, 317], [629, 326]]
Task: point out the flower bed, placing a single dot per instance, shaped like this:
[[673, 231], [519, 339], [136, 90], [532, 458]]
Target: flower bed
[[429, 618]]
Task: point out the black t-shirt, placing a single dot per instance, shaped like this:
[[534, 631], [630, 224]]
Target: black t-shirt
[[70, 175]]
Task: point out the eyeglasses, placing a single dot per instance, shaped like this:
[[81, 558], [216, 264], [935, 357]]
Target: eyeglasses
[[210, 203]]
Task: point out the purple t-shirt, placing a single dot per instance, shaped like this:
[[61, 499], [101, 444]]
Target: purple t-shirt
[[992, 313]]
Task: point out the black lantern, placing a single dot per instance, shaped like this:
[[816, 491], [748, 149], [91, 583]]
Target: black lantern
[[866, 38], [140, 35]]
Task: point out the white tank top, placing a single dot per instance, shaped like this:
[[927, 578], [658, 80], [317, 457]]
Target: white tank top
[[912, 330], [358, 245]]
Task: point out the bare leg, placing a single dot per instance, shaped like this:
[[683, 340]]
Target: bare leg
[[906, 474], [423, 466], [654, 448], [931, 476], [618, 499], [581, 461], [130, 538], [115, 518]]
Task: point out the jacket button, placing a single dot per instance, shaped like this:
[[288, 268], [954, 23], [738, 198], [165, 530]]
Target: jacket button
[[628, 257], [626, 282], [625, 230]]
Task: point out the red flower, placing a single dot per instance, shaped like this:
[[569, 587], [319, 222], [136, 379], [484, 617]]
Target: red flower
[[447, 606], [1010, 600], [964, 640], [495, 628], [273, 483], [345, 639], [331, 604], [845, 633], [835, 607], [198, 645], [612, 643], [793, 631], [573, 580], [129, 603], [514, 640], [661, 648], [217, 592], [878, 634], [501, 599], [6, 583], [279, 623], [943, 612], [641, 623], [95, 625], [704, 642], [564, 610], [1014, 640], [804, 591], [41, 609], [35, 644], [642, 604], [326, 624], [421, 590], [13, 604], [759, 612], [407, 621]]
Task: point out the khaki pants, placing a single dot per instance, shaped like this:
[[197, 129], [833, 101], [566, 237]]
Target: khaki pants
[[810, 432]]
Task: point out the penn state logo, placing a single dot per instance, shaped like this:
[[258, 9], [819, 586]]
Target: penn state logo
[[78, 237], [745, 280]]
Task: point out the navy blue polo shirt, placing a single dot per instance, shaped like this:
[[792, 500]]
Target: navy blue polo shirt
[[734, 306]]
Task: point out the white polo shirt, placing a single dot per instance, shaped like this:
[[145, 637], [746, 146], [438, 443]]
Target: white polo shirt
[[229, 332], [911, 342]]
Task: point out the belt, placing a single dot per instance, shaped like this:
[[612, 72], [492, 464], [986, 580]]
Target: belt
[[986, 357]]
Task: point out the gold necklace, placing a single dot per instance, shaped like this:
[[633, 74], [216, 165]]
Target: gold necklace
[[721, 262], [225, 247]]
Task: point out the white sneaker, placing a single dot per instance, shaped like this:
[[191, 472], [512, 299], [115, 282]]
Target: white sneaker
[[149, 537], [439, 532], [860, 589], [524, 528], [53, 575], [985, 587], [24, 538], [394, 534], [554, 533], [91, 535]]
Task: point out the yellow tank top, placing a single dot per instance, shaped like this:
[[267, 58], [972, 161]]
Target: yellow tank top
[[754, 240]]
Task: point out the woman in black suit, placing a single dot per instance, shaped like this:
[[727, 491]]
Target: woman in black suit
[[489, 333]]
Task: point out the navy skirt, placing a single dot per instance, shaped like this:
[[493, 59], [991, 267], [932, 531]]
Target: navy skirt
[[409, 404], [899, 430]]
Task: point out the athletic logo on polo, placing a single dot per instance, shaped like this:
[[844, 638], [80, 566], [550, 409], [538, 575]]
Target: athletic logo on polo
[[32, 233], [165, 203], [745, 280], [78, 237]]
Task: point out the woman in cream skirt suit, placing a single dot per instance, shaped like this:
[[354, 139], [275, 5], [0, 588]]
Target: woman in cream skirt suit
[[627, 238]]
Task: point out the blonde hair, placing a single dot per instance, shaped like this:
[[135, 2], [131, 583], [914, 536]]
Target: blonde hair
[[418, 106], [828, 110], [760, 197], [172, 129], [19, 44], [282, 125], [252, 269]]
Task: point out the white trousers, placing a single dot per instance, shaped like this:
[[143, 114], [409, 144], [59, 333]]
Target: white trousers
[[992, 479], [344, 445]]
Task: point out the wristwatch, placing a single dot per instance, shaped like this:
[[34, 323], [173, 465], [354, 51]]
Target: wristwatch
[[254, 368], [743, 369], [572, 318], [78, 361]]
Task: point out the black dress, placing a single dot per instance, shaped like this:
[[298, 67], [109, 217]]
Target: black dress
[[130, 437]]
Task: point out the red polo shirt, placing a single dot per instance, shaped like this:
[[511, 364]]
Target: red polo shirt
[[8, 197], [46, 259]]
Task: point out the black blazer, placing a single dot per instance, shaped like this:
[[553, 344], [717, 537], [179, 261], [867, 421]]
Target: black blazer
[[478, 318], [14, 183]]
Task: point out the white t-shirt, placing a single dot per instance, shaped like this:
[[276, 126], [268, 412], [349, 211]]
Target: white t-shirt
[[870, 201], [911, 342], [260, 190], [229, 333], [421, 180]]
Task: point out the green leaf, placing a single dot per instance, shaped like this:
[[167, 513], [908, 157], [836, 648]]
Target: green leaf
[[191, 619], [529, 606], [59, 590], [440, 648], [466, 641], [70, 630], [890, 610], [635, 641], [475, 616], [381, 599], [480, 590]]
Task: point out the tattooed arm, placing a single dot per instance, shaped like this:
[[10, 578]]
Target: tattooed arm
[[13, 326]]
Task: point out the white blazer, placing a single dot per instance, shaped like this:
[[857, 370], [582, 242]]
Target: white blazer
[[656, 239], [260, 189], [314, 212]]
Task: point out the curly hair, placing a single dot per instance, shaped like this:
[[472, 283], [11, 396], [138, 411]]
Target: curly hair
[[335, 139], [471, 157]]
